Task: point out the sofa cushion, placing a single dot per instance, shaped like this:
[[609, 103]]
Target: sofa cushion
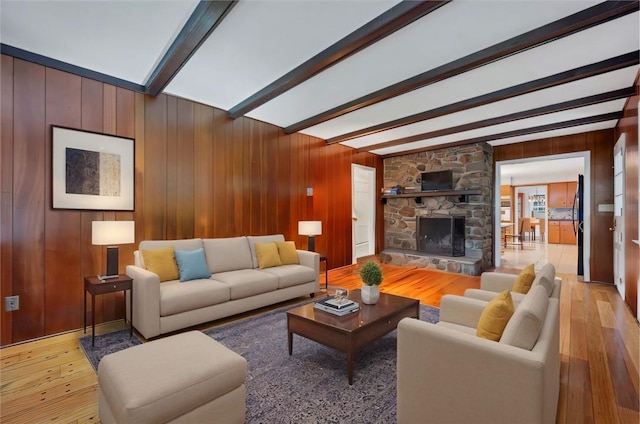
[[162, 262], [545, 277], [176, 297], [524, 280], [247, 282], [288, 253], [292, 275], [495, 317], [188, 244], [526, 323], [267, 254], [227, 254], [261, 239], [192, 264]]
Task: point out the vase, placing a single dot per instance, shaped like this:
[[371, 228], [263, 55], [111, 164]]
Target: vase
[[370, 294]]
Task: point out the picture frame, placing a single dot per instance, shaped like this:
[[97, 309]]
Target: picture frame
[[92, 171]]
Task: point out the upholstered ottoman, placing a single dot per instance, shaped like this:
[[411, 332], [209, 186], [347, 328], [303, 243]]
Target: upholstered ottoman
[[187, 378]]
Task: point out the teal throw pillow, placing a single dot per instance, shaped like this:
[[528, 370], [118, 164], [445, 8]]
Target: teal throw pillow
[[192, 264]]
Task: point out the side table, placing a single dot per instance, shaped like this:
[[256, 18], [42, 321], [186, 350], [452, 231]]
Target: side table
[[96, 286], [326, 271]]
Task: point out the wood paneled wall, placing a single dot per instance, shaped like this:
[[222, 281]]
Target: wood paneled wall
[[628, 125], [600, 144], [197, 174]]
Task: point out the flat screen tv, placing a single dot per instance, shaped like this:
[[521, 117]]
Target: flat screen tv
[[437, 180]]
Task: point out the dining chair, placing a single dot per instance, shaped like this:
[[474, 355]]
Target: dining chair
[[516, 239]]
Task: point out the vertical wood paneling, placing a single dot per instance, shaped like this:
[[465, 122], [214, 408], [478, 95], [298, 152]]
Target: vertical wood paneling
[[172, 169], [197, 174], [6, 194], [203, 171], [155, 163], [29, 182], [184, 198], [91, 257], [62, 230]]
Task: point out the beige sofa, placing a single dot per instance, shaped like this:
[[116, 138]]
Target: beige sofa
[[236, 284], [447, 374], [492, 283]]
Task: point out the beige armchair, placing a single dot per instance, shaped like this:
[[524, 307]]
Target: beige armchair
[[492, 283], [447, 374]]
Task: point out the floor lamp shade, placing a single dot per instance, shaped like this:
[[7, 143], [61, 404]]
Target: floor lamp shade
[[110, 234], [311, 229]]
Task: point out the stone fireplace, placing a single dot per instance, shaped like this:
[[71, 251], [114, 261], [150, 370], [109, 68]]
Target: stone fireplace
[[472, 168], [440, 235]]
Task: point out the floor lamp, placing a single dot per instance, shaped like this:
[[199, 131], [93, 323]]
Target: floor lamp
[[311, 229], [111, 233]]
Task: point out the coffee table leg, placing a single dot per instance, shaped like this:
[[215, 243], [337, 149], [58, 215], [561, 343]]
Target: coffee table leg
[[350, 356], [290, 343]]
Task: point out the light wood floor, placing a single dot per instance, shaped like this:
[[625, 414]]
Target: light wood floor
[[50, 380]]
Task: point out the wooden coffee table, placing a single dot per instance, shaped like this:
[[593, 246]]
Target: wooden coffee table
[[352, 332]]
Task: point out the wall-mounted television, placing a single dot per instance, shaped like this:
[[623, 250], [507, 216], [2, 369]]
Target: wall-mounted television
[[437, 180]]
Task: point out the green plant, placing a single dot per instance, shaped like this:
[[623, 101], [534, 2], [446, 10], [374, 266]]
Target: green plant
[[371, 274]]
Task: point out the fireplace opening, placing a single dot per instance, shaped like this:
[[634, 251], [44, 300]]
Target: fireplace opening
[[440, 235]]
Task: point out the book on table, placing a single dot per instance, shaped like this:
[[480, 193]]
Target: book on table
[[354, 307], [337, 304]]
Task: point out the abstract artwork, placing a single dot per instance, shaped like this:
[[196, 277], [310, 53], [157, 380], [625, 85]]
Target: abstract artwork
[[92, 171]]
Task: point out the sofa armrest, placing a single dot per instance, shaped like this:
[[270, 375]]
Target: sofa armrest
[[457, 377], [497, 281], [461, 310], [311, 260], [146, 301]]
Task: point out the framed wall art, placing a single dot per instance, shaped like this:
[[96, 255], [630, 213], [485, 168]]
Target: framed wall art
[[92, 171]]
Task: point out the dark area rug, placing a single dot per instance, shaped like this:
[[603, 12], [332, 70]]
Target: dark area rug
[[308, 387]]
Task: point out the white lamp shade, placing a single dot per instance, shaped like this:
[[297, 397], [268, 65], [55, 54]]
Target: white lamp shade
[[113, 232], [309, 228]]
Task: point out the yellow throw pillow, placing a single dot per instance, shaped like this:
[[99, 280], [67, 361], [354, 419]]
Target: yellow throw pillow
[[495, 317], [524, 280], [288, 253], [162, 262], [267, 254]]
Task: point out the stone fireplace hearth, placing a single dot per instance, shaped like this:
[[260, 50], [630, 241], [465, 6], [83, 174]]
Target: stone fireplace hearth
[[472, 168]]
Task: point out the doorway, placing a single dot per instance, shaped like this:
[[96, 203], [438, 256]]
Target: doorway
[[363, 215], [562, 167]]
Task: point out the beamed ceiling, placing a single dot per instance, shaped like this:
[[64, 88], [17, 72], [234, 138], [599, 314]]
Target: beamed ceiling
[[382, 76]]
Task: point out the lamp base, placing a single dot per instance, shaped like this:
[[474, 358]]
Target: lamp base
[[112, 263], [312, 244]]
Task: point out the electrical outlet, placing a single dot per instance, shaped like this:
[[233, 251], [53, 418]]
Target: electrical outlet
[[11, 303]]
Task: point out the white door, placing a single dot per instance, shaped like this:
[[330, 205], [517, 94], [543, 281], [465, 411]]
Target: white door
[[618, 215], [363, 200]]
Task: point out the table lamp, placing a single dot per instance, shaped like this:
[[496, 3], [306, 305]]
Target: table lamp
[[110, 233], [311, 229]]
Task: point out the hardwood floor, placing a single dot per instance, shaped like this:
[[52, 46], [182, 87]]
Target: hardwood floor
[[50, 380]]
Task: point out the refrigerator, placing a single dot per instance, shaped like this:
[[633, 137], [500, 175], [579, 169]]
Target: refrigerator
[[578, 222]]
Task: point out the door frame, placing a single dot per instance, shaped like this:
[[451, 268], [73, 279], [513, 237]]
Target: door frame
[[619, 221], [586, 155], [371, 178]]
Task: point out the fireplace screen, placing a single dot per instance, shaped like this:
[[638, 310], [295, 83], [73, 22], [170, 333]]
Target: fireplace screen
[[441, 235]]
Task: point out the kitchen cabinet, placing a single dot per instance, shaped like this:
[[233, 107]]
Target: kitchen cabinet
[[562, 195], [561, 232], [553, 235], [567, 236]]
